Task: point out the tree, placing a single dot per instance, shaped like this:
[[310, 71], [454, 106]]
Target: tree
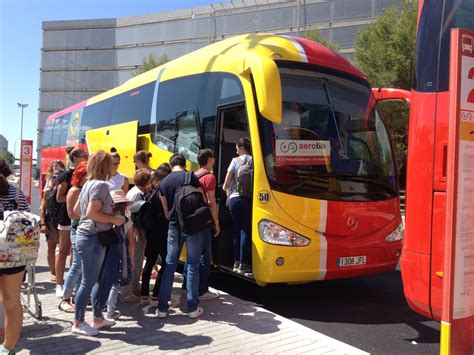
[[8, 156], [384, 52], [151, 62], [315, 36]]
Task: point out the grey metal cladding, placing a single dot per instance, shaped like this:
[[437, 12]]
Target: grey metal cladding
[[84, 38], [352, 9], [78, 59], [381, 5], [345, 36], [90, 80], [315, 13]]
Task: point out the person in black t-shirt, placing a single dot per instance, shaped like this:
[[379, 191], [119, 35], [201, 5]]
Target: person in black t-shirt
[[76, 155], [176, 238], [156, 243]]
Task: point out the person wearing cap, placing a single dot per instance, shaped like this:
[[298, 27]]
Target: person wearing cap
[[115, 264]]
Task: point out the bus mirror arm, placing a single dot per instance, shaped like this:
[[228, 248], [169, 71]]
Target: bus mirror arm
[[382, 94], [266, 77]]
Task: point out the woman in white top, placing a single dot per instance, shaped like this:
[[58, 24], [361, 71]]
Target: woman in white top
[[116, 180], [240, 207]]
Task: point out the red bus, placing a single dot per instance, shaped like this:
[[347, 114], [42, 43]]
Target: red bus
[[57, 135], [422, 260]]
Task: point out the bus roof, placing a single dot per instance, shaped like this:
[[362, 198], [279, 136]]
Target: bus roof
[[229, 56]]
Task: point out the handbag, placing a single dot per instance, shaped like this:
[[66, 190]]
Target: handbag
[[108, 237]]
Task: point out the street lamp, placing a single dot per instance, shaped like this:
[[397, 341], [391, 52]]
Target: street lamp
[[23, 106], [14, 150]]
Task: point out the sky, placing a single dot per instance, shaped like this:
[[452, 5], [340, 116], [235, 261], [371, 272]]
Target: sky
[[20, 50]]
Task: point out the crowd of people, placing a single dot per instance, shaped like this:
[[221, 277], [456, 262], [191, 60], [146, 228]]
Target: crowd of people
[[120, 238]]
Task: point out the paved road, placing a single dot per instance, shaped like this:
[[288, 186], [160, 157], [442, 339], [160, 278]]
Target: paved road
[[369, 313]]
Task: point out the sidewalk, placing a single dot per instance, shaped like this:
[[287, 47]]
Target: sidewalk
[[229, 325]]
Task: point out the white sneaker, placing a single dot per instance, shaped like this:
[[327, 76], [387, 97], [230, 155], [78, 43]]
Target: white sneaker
[[197, 313], [84, 329], [161, 315], [112, 316], [209, 296], [106, 323], [59, 291]]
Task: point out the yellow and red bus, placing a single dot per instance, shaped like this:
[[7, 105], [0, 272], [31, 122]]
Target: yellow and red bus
[[325, 190]]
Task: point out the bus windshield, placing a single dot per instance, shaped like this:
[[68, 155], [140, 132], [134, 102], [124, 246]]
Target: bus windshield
[[331, 143]]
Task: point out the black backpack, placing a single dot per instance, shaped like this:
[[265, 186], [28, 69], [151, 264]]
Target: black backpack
[[147, 212], [53, 207], [191, 209]]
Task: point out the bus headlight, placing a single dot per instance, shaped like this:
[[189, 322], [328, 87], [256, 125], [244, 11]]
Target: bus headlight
[[397, 234], [275, 234]]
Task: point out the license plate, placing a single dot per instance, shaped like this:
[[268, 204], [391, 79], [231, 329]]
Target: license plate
[[352, 261]]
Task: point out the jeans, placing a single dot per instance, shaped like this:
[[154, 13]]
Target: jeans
[[176, 238], [74, 276], [157, 247], [113, 298], [204, 262], [91, 254], [109, 276], [240, 209]]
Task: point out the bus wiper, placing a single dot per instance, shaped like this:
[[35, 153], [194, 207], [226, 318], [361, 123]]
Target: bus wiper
[[333, 113]]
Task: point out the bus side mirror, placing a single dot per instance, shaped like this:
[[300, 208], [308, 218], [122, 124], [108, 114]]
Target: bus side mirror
[[266, 77], [381, 94]]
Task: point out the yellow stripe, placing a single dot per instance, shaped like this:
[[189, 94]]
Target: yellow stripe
[[445, 338]]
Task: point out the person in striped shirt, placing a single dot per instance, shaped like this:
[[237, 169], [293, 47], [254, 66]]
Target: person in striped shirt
[[13, 277]]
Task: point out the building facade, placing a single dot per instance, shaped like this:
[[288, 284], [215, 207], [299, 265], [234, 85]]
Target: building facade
[[3, 143], [83, 58]]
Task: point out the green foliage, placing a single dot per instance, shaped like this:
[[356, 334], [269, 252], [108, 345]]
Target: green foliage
[[5, 154], [150, 62], [385, 52], [315, 36]]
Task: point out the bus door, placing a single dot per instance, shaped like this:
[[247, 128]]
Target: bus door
[[232, 124], [122, 137]]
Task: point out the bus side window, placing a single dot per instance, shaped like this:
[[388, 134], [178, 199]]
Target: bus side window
[[47, 134], [56, 136], [95, 116], [64, 126], [188, 141]]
